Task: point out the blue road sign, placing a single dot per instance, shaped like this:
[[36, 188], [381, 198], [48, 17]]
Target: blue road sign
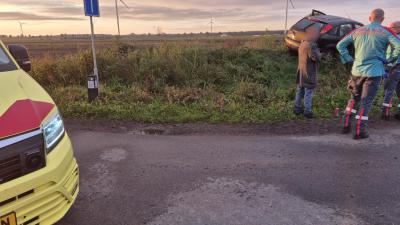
[[92, 7]]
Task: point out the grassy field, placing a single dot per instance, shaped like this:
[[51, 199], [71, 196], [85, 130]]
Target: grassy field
[[234, 80]]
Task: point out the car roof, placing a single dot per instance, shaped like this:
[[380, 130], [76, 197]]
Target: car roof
[[333, 19]]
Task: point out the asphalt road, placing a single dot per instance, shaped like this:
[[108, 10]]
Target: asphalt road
[[133, 179]]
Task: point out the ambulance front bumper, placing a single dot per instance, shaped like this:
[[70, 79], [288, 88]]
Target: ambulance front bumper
[[45, 196]]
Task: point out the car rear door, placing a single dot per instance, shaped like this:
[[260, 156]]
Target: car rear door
[[345, 29], [317, 13], [329, 40], [299, 28]]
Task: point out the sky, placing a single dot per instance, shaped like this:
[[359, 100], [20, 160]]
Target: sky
[[175, 16]]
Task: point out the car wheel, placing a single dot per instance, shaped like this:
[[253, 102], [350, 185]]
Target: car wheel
[[292, 51], [330, 54]]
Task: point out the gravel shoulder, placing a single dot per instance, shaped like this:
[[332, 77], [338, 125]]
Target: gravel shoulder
[[299, 127]]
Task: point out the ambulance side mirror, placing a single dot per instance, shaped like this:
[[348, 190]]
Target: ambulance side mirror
[[20, 54]]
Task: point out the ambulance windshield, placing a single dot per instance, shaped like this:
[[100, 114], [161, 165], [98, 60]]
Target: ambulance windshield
[[6, 64]]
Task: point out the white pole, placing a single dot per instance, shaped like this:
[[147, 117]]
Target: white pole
[[22, 29], [286, 20], [212, 24], [117, 12], [95, 69]]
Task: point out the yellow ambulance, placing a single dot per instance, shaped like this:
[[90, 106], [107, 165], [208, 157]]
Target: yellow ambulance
[[39, 176]]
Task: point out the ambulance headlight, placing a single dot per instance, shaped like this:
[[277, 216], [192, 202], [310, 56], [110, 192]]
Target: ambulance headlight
[[53, 131]]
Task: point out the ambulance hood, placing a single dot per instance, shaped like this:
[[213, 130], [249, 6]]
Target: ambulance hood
[[24, 104]]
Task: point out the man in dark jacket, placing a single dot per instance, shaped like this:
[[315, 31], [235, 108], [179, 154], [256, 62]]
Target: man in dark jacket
[[309, 56], [392, 81]]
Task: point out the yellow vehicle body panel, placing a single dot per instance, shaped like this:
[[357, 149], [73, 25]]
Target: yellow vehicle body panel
[[14, 85], [44, 196]]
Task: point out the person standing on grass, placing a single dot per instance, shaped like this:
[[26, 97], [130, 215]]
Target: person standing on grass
[[392, 83], [371, 43], [309, 56]]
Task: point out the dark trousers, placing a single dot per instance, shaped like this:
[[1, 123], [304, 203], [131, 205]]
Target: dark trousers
[[363, 90], [391, 85]]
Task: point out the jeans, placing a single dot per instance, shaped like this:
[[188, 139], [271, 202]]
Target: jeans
[[391, 86], [307, 95], [364, 90]]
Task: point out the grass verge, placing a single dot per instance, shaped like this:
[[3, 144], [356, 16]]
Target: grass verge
[[248, 80]]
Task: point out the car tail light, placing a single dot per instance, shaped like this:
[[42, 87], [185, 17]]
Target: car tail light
[[291, 34], [326, 29]]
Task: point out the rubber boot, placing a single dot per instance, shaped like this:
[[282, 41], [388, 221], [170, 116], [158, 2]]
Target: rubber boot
[[361, 126], [397, 115], [349, 114], [385, 115], [362, 135]]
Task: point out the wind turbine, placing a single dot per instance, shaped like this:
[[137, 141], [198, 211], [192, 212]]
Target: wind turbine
[[287, 12], [212, 22], [22, 29], [117, 11], [347, 14]]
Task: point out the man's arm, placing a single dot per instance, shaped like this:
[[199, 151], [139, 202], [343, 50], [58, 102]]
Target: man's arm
[[389, 54], [343, 51], [394, 41]]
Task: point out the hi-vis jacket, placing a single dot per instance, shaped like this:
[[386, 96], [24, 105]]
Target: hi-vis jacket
[[371, 43], [391, 56]]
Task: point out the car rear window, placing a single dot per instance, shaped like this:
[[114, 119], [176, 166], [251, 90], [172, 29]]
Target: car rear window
[[306, 22], [334, 31], [6, 64]]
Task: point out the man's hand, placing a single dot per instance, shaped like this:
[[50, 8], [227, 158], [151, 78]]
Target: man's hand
[[349, 66], [386, 75]]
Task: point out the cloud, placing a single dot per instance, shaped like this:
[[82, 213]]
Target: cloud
[[31, 16], [151, 13], [174, 10], [185, 15]]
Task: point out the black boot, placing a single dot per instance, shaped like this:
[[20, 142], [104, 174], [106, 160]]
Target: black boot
[[298, 111], [308, 115], [362, 135], [360, 124], [397, 116], [347, 123], [346, 130], [385, 115]]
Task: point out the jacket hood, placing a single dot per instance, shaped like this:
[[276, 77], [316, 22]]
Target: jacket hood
[[23, 104]]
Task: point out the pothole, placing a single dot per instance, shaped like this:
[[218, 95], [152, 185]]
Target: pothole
[[114, 155]]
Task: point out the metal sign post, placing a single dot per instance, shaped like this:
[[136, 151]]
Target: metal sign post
[[92, 9]]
